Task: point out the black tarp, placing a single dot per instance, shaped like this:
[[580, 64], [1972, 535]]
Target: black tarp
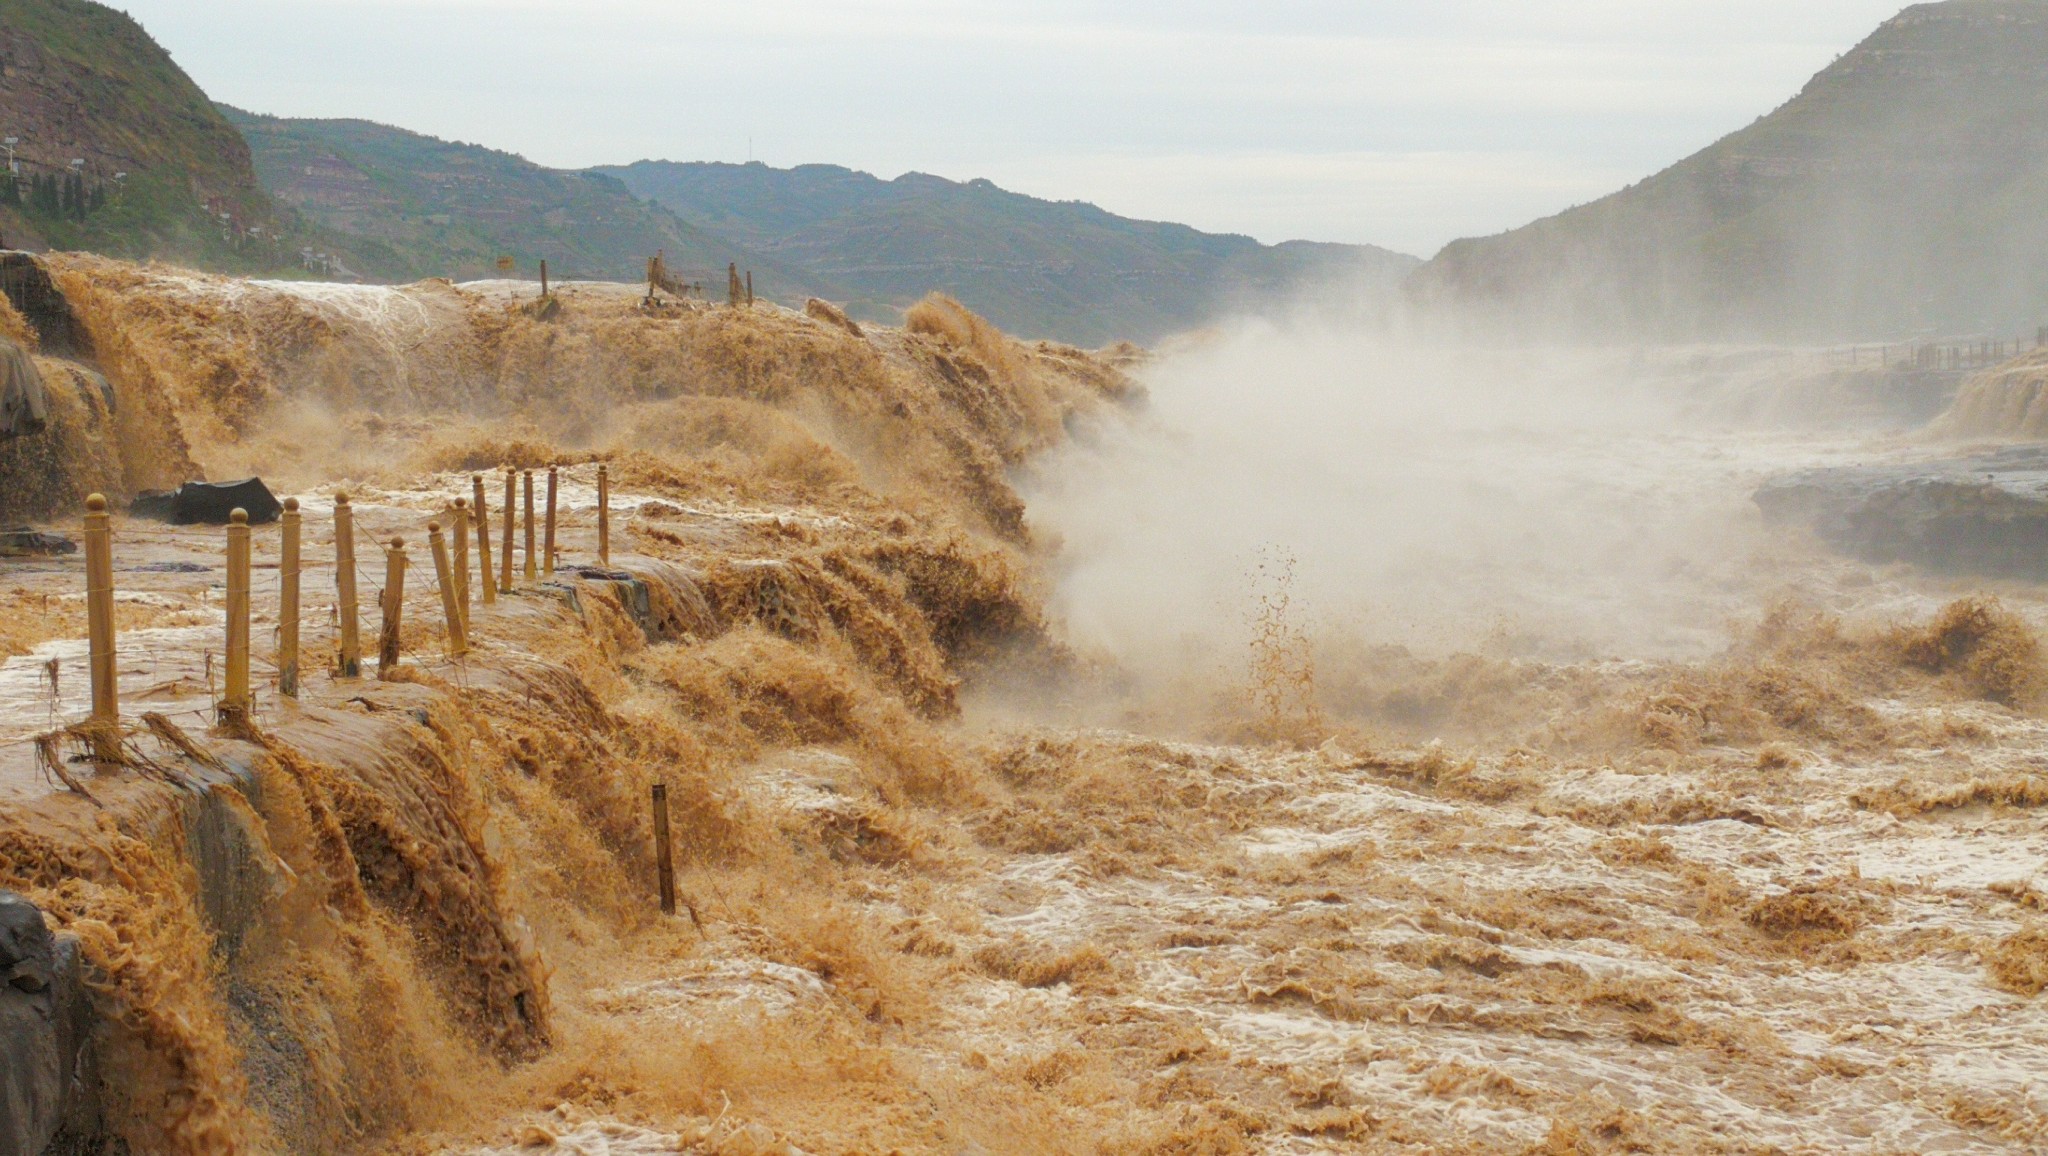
[[208, 503], [24, 409]]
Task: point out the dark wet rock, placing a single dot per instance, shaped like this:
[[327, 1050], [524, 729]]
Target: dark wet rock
[[238, 876], [1986, 514], [633, 594], [29, 289], [23, 542], [24, 403], [45, 1079]]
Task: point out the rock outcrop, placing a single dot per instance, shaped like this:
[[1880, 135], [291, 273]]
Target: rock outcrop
[[44, 1018], [1986, 514]]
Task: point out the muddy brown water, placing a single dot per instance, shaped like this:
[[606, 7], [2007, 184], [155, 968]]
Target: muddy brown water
[[1745, 882]]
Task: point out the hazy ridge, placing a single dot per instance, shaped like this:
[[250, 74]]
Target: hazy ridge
[[1897, 194], [1063, 268], [401, 206]]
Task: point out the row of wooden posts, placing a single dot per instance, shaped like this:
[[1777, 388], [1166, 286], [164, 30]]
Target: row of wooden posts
[[451, 568]]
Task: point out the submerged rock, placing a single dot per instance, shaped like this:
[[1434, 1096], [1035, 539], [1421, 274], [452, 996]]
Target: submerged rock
[[1985, 514], [24, 542]]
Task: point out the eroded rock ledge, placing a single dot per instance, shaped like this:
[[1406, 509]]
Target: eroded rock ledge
[[1983, 514]]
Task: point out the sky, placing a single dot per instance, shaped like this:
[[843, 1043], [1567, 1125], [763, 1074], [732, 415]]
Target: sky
[[1403, 123]]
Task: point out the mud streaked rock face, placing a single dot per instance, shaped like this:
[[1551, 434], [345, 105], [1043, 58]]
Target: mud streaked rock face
[[1986, 514], [43, 1022]]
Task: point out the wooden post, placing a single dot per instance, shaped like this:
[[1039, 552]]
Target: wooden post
[[750, 288], [394, 609], [543, 277], [99, 610], [288, 602], [235, 703], [547, 548], [351, 663], [458, 558], [532, 563], [483, 542], [458, 641], [511, 522], [664, 861], [604, 516]]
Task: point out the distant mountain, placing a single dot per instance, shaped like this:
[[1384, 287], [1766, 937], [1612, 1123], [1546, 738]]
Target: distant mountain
[[116, 149], [398, 205], [1041, 268], [1904, 191]]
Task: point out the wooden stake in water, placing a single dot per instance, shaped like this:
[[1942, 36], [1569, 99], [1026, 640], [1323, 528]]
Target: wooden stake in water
[[288, 602], [532, 563], [351, 662], [547, 549], [394, 609], [511, 524], [458, 643], [483, 542], [458, 558], [604, 516], [664, 862], [99, 612], [235, 703]]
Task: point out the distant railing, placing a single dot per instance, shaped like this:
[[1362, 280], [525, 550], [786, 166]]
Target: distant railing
[[1947, 355]]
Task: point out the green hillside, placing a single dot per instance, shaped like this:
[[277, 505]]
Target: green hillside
[[1900, 193], [1042, 268], [401, 206], [162, 174]]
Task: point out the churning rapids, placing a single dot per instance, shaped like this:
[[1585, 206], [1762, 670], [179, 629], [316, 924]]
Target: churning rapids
[[1284, 742]]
